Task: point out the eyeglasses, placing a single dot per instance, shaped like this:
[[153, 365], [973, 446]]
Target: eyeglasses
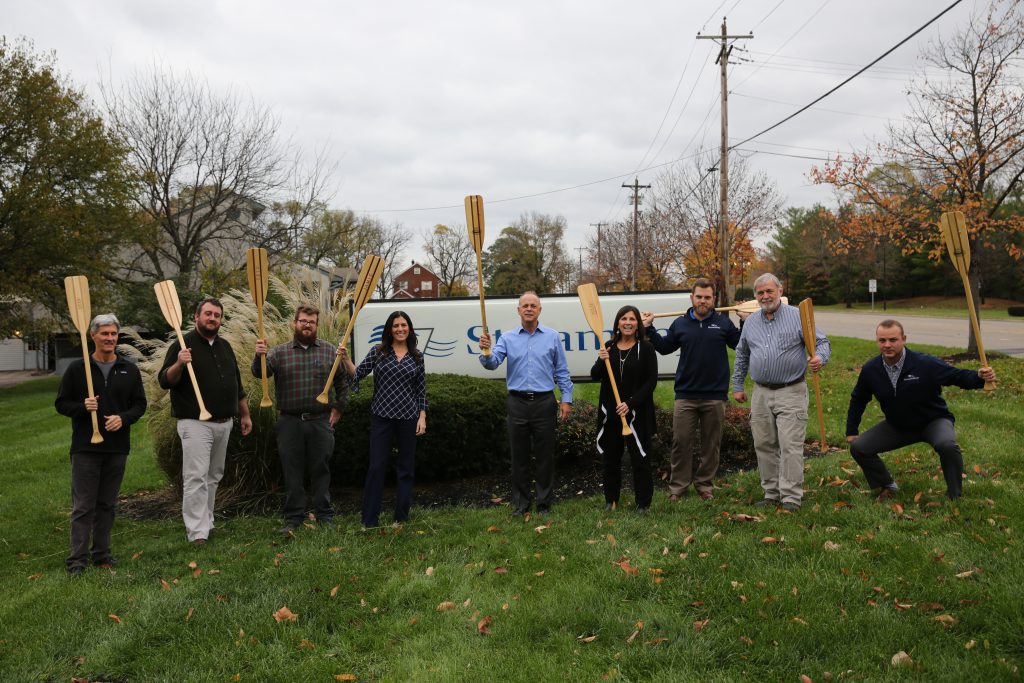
[[306, 323]]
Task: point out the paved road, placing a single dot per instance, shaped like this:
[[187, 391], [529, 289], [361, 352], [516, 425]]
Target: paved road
[[999, 335]]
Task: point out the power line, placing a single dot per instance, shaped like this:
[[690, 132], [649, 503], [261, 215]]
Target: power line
[[793, 104], [770, 12], [875, 61], [787, 41]]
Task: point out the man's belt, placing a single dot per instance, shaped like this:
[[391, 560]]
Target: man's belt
[[305, 417], [530, 395], [780, 386]]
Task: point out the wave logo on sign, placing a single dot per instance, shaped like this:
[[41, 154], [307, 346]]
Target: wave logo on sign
[[427, 344]]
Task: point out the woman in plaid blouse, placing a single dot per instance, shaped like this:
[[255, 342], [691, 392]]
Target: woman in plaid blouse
[[398, 411]]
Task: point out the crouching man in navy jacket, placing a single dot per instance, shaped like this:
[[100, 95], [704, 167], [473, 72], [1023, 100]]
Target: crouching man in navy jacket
[[908, 386]]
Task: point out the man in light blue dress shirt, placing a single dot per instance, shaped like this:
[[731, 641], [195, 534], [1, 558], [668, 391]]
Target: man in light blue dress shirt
[[536, 363]]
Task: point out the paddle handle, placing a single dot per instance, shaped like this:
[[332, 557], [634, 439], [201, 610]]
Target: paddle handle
[[989, 386], [204, 414], [324, 397], [265, 401], [483, 311], [626, 431], [96, 436], [821, 412]]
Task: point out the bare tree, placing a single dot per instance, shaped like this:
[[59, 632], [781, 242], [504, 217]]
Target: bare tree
[[211, 166], [451, 257]]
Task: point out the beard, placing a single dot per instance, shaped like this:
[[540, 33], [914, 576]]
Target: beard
[[305, 336], [770, 307]]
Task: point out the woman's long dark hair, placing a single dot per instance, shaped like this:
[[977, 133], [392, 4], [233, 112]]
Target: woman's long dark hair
[[387, 338], [617, 333]]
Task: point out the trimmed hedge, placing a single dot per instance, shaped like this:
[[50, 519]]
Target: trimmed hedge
[[1016, 311]]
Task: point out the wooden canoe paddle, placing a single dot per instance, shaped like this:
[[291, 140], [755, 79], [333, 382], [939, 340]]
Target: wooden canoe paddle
[[77, 289], [256, 266], [170, 306], [369, 276], [954, 234], [810, 342], [746, 307], [475, 225], [592, 310]]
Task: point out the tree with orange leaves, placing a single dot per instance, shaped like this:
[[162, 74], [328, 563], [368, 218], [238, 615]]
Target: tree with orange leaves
[[960, 147]]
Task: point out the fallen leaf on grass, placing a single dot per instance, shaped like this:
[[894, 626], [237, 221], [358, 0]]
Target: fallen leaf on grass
[[586, 639], [623, 564], [542, 527], [829, 545], [657, 641], [114, 618], [964, 575], [804, 678], [482, 625], [976, 468], [188, 615], [138, 555], [305, 645], [688, 540], [540, 573], [746, 641], [632, 637], [212, 571], [444, 606], [165, 586], [743, 517], [334, 591], [192, 564], [501, 570], [771, 539], [344, 677], [798, 620], [947, 620], [430, 571], [493, 529], [285, 614], [901, 606], [840, 504], [35, 577], [698, 625], [970, 644], [611, 540]]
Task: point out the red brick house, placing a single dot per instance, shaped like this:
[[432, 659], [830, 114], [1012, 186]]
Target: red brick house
[[416, 282]]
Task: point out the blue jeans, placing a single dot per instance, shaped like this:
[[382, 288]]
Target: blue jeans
[[383, 431]]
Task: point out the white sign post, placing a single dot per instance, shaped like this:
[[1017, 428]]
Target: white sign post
[[872, 287]]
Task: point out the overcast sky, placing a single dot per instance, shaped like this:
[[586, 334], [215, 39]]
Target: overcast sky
[[421, 103]]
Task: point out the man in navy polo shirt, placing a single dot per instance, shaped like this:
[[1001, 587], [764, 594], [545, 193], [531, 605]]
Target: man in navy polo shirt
[[908, 386], [702, 383]]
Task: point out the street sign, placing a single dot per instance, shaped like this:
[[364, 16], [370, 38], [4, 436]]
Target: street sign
[[872, 286]]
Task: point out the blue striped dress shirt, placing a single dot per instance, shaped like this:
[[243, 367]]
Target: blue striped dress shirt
[[773, 350], [536, 362]]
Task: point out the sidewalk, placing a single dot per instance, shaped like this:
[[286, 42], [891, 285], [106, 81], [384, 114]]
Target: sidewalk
[[14, 377]]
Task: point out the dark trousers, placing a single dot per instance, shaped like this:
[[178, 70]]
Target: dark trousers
[[531, 430], [610, 444], [383, 431], [95, 483], [885, 437], [305, 447]]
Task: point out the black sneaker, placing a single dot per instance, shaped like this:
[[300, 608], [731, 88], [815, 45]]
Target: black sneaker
[[76, 572], [108, 563], [765, 502]]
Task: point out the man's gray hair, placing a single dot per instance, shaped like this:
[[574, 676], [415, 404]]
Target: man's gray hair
[[767, 277], [529, 292], [102, 321]]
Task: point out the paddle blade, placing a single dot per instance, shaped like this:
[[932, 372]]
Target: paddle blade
[[170, 306], [954, 236], [475, 221], [807, 325], [369, 276], [256, 267], [591, 304], [77, 289]]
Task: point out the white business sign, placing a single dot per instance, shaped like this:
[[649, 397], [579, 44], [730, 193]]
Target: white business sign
[[449, 329], [872, 286]]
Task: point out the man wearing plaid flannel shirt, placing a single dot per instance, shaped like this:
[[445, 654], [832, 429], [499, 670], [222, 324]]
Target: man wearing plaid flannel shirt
[[305, 428]]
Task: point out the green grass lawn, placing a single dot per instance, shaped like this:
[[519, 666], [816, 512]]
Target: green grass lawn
[[950, 308], [691, 591]]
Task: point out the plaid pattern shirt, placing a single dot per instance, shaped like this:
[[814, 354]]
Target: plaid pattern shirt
[[300, 375], [399, 386], [895, 370]]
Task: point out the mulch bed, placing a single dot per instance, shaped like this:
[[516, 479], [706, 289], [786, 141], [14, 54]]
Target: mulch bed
[[583, 479]]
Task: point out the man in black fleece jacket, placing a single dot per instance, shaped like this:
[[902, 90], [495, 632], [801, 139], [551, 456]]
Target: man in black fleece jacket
[[908, 386], [702, 383], [98, 468]]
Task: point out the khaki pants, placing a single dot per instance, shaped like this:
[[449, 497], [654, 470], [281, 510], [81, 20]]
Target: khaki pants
[[204, 446], [778, 423], [689, 416]]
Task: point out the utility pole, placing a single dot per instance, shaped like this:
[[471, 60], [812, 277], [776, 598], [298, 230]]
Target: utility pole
[[598, 226], [636, 187], [724, 50], [579, 250]]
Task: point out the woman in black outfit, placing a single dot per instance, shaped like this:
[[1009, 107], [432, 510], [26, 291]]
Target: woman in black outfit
[[635, 368]]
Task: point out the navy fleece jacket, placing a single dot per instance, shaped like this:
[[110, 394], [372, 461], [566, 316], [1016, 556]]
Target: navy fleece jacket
[[703, 370]]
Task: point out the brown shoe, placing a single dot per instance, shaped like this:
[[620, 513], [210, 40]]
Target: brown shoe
[[673, 498], [707, 495]]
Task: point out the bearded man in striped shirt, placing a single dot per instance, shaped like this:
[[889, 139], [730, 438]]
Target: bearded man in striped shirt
[[772, 349]]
